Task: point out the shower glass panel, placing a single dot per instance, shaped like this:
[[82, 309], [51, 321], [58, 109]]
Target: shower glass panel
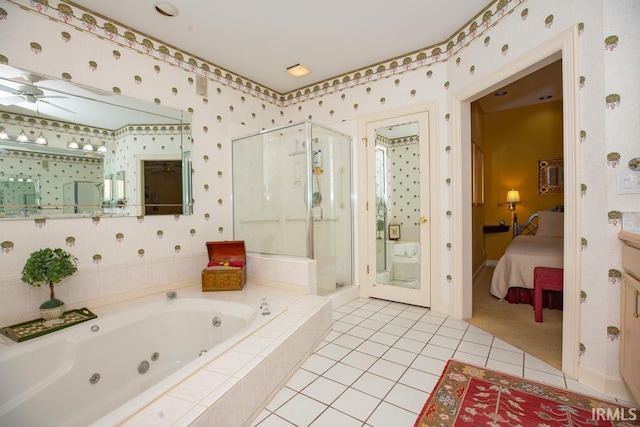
[[292, 197]]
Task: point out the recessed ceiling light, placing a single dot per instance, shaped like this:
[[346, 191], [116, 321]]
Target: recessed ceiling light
[[543, 98], [500, 93], [166, 9], [297, 70]]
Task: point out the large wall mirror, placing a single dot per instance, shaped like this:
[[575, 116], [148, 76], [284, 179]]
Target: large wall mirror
[[70, 150]]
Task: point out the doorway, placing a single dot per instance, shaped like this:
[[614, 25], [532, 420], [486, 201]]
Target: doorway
[[398, 163], [562, 46], [162, 184], [516, 126]]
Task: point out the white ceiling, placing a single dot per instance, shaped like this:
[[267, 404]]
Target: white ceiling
[[260, 39]]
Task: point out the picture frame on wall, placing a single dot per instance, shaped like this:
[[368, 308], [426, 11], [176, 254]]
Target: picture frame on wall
[[394, 231]]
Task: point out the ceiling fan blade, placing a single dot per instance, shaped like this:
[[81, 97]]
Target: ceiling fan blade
[[11, 100], [56, 106], [52, 97], [8, 89]]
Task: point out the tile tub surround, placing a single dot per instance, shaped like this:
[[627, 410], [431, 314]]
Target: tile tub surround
[[236, 386], [295, 274]]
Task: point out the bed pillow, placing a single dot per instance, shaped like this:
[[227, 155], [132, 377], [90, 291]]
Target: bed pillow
[[550, 224]]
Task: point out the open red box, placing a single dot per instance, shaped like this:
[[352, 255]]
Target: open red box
[[227, 268]]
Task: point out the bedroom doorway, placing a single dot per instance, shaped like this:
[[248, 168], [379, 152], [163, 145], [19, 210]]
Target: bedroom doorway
[[520, 117], [564, 47]]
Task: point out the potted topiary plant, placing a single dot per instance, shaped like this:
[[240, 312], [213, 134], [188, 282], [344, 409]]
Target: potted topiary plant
[[49, 266]]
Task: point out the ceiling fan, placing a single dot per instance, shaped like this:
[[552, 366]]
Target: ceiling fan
[[29, 94], [166, 166]]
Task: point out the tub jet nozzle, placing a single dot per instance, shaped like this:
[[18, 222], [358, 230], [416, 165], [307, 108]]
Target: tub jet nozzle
[[94, 378], [143, 367]]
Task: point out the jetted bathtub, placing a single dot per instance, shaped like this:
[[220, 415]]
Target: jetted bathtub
[[406, 261], [106, 369]]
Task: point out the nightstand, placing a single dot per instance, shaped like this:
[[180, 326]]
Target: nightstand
[[495, 228]]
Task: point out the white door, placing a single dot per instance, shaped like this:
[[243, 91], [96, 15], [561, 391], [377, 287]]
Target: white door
[[398, 225]]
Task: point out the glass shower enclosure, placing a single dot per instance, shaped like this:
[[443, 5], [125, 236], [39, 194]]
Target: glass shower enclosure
[[292, 197]]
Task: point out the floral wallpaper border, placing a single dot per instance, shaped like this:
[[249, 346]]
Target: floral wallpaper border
[[84, 20]]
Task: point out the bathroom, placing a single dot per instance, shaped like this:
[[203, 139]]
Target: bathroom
[[128, 256], [122, 257]]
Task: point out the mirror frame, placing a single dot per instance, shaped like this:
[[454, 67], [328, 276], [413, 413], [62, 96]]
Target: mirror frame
[[546, 169]]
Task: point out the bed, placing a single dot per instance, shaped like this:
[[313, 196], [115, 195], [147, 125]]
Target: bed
[[538, 243]]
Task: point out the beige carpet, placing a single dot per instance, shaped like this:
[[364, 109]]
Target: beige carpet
[[514, 323]]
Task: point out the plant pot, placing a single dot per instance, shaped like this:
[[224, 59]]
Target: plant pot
[[53, 312]]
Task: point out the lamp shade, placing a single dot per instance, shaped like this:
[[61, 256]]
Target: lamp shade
[[513, 196]]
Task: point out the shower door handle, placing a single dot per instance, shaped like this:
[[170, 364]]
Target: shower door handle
[[423, 219]]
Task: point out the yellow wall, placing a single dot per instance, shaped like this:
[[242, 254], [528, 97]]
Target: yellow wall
[[514, 141], [477, 212]]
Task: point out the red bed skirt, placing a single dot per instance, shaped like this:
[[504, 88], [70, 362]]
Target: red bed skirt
[[550, 299]]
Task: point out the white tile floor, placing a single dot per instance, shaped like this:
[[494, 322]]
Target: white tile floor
[[380, 361]]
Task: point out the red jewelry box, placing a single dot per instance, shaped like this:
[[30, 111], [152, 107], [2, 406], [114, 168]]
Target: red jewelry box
[[227, 269]]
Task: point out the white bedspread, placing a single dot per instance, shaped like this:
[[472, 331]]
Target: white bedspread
[[515, 268]]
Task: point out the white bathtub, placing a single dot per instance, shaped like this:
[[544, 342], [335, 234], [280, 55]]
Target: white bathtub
[[406, 261], [52, 379]]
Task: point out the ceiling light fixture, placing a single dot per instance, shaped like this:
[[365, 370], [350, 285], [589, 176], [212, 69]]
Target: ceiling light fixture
[[297, 70], [544, 98], [73, 144], [102, 148], [3, 133], [22, 137], [500, 93], [166, 9], [41, 140], [87, 146]]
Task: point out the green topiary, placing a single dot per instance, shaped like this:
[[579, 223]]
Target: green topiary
[[49, 266]]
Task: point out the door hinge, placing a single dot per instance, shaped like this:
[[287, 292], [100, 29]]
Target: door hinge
[[367, 268], [366, 142], [366, 206]]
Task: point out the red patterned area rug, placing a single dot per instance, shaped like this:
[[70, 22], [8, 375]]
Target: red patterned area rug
[[467, 395]]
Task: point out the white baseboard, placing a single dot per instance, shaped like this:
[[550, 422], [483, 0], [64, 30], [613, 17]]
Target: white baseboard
[[339, 298], [605, 384]]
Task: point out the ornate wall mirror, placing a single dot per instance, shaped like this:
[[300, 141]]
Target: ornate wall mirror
[[550, 176], [70, 150]]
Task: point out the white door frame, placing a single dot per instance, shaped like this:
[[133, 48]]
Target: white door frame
[[364, 175], [563, 45], [140, 159]]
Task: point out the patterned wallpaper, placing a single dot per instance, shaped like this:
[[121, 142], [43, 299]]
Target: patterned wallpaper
[[50, 170], [154, 251], [403, 184]]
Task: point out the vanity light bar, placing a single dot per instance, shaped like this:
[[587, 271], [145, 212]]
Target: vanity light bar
[[32, 148], [20, 178]]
